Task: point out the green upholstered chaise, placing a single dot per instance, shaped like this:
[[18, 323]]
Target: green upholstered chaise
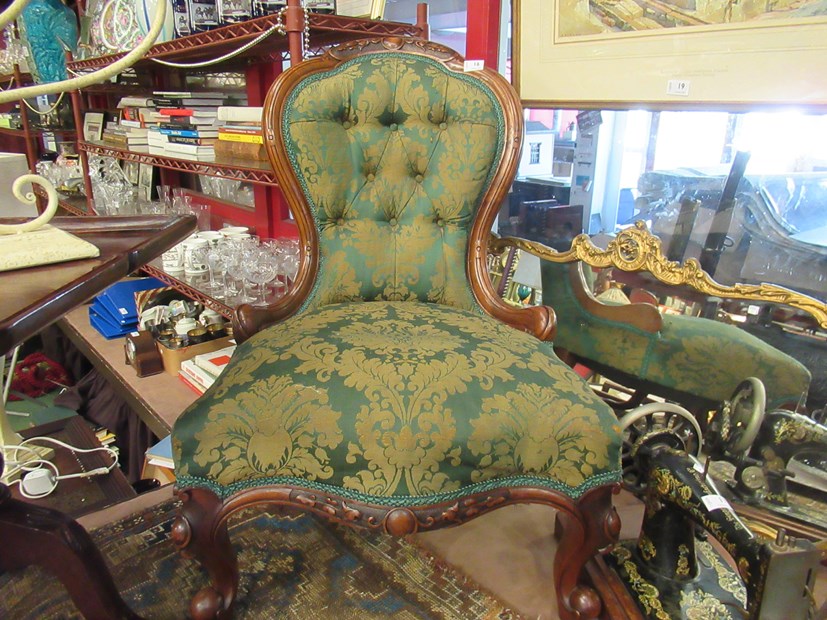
[[392, 388], [695, 361], [698, 362]]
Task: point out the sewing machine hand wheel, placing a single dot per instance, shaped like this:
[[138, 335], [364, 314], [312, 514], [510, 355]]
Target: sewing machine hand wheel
[[661, 424], [735, 426]]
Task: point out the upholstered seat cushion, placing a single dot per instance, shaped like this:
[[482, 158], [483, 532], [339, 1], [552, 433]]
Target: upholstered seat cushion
[[688, 356], [394, 403]]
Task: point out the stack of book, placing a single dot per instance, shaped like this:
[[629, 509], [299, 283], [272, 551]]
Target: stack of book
[[158, 462], [139, 109], [200, 372], [239, 133], [126, 134], [187, 126], [104, 436]]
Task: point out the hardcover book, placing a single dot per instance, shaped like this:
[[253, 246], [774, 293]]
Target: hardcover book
[[215, 362]]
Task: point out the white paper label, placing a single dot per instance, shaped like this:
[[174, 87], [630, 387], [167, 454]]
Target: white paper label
[[715, 502], [474, 65], [677, 87]]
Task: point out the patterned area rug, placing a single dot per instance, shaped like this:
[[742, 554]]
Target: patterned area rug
[[291, 567]]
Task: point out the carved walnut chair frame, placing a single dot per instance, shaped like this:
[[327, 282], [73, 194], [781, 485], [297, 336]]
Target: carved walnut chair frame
[[585, 525]]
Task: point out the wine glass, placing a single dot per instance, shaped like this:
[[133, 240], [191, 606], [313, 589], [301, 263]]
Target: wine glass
[[260, 268], [290, 257], [238, 254], [216, 259]]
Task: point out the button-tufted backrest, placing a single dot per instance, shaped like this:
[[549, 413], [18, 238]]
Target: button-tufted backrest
[[393, 152]]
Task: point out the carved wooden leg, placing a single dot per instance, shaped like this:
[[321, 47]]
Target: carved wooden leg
[[50, 539], [198, 531], [581, 534]]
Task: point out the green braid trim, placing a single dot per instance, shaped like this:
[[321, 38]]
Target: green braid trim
[[399, 501]]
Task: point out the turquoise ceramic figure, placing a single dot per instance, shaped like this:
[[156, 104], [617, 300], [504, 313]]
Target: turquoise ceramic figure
[[48, 28]]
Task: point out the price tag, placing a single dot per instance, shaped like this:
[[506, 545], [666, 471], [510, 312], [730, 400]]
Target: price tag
[[715, 502], [474, 65]]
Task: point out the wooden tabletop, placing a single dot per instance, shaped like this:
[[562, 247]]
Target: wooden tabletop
[[158, 399], [35, 297]]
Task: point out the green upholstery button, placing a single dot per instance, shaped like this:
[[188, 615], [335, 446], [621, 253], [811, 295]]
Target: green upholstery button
[[443, 126], [370, 176], [340, 221], [440, 222], [392, 221], [394, 126], [418, 178], [347, 124]]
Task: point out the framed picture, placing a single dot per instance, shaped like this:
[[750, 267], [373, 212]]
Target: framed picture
[[353, 8], [131, 171], [146, 174], [373, 9], [93, 123], [733, 54]]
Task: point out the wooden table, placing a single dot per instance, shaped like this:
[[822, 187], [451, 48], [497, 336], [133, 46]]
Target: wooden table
[[76, 497], [158, 399], [33, 299]]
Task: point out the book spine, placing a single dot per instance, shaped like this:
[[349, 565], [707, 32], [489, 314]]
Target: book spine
[[241, 150], [192, 141], [175, 111], [184, 133], [118, 139], [251, 128], [239, 113], [232, 136], [189, 149], [196, 374], [190, 384]]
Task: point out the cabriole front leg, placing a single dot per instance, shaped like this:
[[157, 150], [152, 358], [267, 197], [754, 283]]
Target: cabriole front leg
[[200, 532], [593, 525]]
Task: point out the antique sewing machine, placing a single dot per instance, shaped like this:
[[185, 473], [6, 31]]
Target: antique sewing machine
[[673, 569], [765, 449]]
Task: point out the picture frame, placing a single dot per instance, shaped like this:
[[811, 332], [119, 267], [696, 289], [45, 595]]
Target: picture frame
[[146, 178], [715, 65], [354, 8], [93, 123], [372, 9]]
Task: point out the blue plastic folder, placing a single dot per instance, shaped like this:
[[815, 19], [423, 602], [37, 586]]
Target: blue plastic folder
[[119, 299], [102, 321]]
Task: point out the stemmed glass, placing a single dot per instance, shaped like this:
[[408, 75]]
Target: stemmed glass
[[215, 257], [261, 267], [290, 258], [238, 254]]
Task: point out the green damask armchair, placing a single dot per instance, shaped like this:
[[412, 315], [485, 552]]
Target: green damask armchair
[[392, 388]]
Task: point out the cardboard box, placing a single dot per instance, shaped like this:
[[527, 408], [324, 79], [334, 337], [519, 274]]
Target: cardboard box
[[173, 357]]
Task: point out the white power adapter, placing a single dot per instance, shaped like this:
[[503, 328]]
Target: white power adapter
[[39, 482]]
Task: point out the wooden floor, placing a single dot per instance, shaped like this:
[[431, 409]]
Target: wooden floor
[[509, 551]]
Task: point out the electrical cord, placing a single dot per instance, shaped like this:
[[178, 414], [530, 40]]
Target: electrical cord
[[41, 477]]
